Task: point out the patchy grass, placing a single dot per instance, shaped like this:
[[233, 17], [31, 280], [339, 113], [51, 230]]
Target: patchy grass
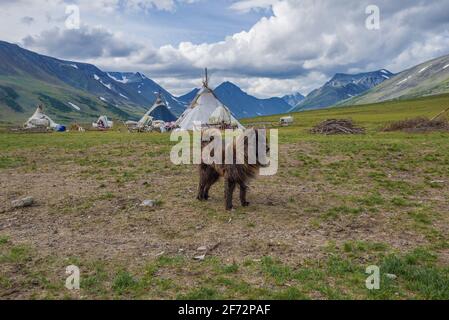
[[337, 205], [418, 273]]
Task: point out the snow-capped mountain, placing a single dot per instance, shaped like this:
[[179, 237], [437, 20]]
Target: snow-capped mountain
[[425, 79], [68, 89], [293, 99], [187, 98], [342, 87], [241, 104], [147, 89], [72, 90], [244, 105]]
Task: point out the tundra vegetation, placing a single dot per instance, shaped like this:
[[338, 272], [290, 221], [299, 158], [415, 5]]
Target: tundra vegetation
[[337, 205]]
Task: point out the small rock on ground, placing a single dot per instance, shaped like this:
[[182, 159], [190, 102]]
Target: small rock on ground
[[22, 203], [200, 258], [148, 203]]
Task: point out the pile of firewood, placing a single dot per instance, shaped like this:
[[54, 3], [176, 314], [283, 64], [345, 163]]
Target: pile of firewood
[[420, 124], [337, 126]]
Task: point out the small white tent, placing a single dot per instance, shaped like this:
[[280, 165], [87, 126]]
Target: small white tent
[[40, 120], [159, 111], [206, 110], [146, 121], [103, 123]]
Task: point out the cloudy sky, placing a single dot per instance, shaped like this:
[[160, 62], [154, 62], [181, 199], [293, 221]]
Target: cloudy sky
[[268, 47]]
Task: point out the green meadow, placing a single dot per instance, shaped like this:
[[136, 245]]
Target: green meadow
[[337, 205]]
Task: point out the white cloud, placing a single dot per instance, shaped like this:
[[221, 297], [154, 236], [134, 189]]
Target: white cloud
[[83, 43], [297, 48], [248, 5], [133, 5], [318, 37]]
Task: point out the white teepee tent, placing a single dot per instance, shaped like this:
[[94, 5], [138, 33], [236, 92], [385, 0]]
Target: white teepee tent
[[159, 111], [206, 110], [40, 120], [103, 123], [219, 116]]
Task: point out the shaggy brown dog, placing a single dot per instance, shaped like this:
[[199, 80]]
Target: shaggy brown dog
[[233, 174]]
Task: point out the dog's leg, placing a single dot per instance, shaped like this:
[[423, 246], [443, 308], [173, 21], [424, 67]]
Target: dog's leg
[[213, 178], [200, 195], [243, 192], [229, 191], [202, 183]]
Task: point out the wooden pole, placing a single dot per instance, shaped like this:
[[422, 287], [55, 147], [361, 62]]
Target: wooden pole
[[442, 112]]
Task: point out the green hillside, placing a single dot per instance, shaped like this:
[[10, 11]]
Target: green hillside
[[426, 79], [372, 116], [19, 96]]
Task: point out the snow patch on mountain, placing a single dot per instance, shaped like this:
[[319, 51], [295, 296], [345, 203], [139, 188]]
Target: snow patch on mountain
[[107, 85], [404, 80], [293, 99], [124, 79], [424, 69], [74, 106], [343, 87]]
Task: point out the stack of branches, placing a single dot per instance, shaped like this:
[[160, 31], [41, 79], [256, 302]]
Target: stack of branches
[[337, 126], [420, 124]]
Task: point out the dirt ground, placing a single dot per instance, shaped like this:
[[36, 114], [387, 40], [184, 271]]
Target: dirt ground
[[329, 192]]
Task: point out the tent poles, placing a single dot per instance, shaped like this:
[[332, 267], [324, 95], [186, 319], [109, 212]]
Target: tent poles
[[206, 80]]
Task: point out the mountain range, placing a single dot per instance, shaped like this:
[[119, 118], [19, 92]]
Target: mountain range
[[147, 89], [241, 103], [426, 79], [79, 91], [293, 99], [342, 87], [69, 90], [244, 105], [74, 91]]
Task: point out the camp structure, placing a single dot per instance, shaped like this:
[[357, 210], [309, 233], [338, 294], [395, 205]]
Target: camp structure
[[207, 111], [158, 118], [40, 121], [286, 121], [103, 123], [160, 112]]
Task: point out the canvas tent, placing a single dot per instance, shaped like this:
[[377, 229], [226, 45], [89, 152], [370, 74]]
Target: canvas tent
[[159, 111], [40, 120], [219, 116], [103, 123], [156, 118], [206, 110]]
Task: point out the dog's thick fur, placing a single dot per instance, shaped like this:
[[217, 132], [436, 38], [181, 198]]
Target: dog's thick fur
[[233, 174]]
